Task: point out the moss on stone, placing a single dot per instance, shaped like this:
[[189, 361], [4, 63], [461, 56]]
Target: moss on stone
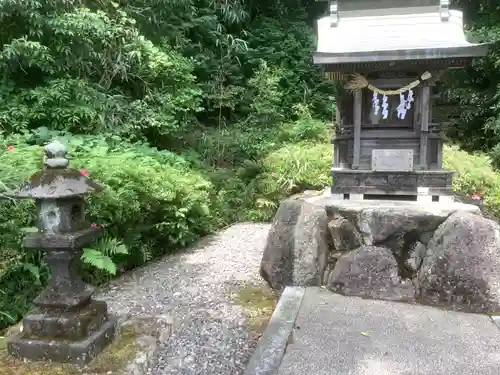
[[111, 361], [259, 303]]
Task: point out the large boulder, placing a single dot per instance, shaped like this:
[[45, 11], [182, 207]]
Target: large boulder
[[297, 246], [461, 267], [377, 221], [370, 272], [380, 222], [345, 235], [364, 248]]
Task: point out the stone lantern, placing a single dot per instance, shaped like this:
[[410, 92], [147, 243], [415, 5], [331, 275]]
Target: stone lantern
[[66, 325]]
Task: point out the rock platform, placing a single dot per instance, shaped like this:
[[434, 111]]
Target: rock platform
[[439, 254]]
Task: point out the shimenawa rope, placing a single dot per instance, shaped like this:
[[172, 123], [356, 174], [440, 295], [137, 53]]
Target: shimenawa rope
[[360, 82]]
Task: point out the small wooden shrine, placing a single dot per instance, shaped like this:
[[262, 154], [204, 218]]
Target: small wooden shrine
[[388, 54]]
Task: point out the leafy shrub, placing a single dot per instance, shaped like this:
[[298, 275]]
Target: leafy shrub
[[68, 67], [289, 170], [244, 145], [305, 129], [235, 195], [474, 174], [228, 147], [252, 169], [297, 167]]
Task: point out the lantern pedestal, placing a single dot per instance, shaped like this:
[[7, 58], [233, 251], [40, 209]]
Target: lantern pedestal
[[66, 290], [67, 325], [64, 349]]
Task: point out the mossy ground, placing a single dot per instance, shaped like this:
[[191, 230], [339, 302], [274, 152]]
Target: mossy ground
[[114, 358], [259, 303]]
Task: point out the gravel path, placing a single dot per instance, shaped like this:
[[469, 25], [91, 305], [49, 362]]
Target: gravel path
[[197, 289]]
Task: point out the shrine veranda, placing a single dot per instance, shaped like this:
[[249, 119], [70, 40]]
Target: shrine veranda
[[388, 56]]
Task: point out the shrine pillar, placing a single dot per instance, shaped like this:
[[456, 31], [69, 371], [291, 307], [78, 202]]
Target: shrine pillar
[[425, 97], [357, 128]]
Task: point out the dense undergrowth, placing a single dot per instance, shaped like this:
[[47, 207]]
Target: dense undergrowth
[[180, 108], [156, 201], [193, 114]]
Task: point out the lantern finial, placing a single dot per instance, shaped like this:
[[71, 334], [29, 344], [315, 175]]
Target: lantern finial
[[55, 155]]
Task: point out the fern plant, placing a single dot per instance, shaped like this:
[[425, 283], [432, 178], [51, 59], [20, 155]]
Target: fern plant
[[101, 257], [5, 314]]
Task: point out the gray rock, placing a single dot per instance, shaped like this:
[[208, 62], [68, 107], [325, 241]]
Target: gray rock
[[407, 251], [276, 267], [379, 223], [461, 268], [297, 246], [344, 234], [426, 237], [310, 246], [370, 272], [299, 249], [379, 220], [159, 327], [416, 257]]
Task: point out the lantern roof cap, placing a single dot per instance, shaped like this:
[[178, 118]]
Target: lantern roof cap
[[56, 180], [378, 34]]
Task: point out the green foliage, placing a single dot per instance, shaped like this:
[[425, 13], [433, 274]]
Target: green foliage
[[227, 43], [171, 104], [266, 96], [474, 174], [150, 69], [103, 256], [289, 45], [474, 92], [288, 170], [69, 67], [297, 167]]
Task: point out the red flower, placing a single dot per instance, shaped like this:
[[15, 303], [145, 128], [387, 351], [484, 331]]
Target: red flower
[[84, 172], [10, 148], [477, 197], [93, 225]]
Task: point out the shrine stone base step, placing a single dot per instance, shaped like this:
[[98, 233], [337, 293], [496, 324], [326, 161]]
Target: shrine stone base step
[[420, 185], [446, 199]]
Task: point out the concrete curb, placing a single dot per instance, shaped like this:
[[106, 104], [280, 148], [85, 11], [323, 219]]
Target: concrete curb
[[271, 348], [496, 320]]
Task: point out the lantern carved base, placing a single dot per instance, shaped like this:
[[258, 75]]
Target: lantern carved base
[[67, 325], [65, 336]]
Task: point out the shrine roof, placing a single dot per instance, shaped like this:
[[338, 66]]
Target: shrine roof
[[396, 35]]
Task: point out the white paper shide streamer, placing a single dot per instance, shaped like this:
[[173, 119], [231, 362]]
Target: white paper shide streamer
[[376, 104], [402, 107], [385, 107], [409, 99]]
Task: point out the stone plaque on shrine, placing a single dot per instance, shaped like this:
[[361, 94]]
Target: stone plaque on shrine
[[392, 160]]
